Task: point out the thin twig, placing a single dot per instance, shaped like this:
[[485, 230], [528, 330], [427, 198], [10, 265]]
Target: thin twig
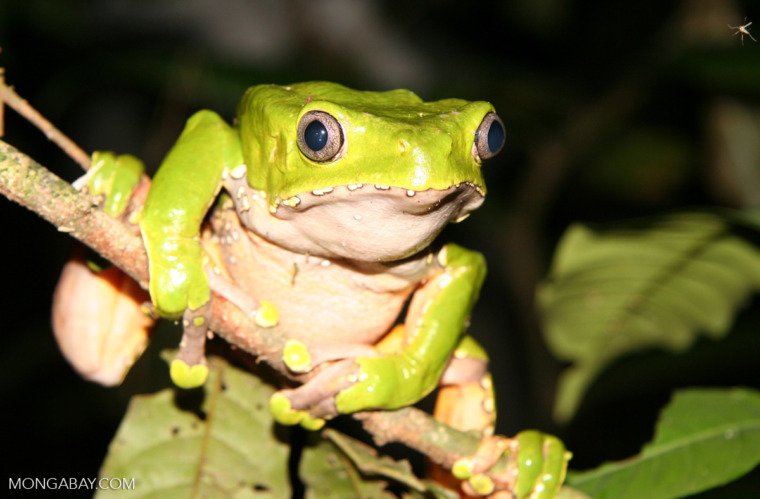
[[22, 107]]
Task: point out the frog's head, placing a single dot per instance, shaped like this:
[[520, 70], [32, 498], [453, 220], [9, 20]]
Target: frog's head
[[369, 175]]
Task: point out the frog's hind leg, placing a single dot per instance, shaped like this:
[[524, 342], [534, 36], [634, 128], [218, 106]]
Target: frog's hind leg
[[536, 462], [465, 398]]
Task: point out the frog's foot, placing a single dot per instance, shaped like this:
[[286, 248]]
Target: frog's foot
[[112, 178], [355, 384], [313, 402], [189, 368], [536, 466], [315, 399], [310, 403]]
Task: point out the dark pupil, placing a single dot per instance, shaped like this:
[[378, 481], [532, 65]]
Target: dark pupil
[[315, 135], [495, 136]]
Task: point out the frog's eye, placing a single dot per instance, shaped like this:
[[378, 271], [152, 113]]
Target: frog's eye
[[320, 136], [489, 138]]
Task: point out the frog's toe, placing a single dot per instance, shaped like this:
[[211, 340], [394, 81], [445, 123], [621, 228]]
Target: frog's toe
[[283, 412], [189, 368], [186, 376]]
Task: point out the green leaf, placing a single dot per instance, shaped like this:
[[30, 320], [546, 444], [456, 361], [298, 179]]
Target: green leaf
[[704, 438], [659, 285], [216, 442], [340, 466], [371, 463], [327, 473]]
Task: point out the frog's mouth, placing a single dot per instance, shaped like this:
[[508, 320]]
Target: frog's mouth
[[376, 222]]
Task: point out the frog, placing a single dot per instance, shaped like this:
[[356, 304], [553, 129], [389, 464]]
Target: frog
[[325, 203]]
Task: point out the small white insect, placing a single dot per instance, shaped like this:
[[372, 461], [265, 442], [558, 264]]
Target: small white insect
[[743, 30]]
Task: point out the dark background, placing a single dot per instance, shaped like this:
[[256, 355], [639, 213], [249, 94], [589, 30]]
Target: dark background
[[612, 110]]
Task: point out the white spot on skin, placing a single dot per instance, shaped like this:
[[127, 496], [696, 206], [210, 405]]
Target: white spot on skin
[[443, 257], [357, 217], [240, 192], [353, 187], [238, 172], [321, 192], [381, 187], [411, 193], [292, 202], [489, 406], [244, 205], [486, 383]]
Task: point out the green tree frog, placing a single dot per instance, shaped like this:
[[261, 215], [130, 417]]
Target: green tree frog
[[333, 198]]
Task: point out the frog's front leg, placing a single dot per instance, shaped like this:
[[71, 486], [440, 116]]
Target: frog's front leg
[[437, 315], [181, 193]]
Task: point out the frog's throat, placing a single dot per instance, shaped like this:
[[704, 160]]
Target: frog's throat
[[378, 222]]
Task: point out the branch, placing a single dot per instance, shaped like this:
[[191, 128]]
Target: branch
[[33, 186]]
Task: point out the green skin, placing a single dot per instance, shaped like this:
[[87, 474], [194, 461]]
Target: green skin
[[405, 151]]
